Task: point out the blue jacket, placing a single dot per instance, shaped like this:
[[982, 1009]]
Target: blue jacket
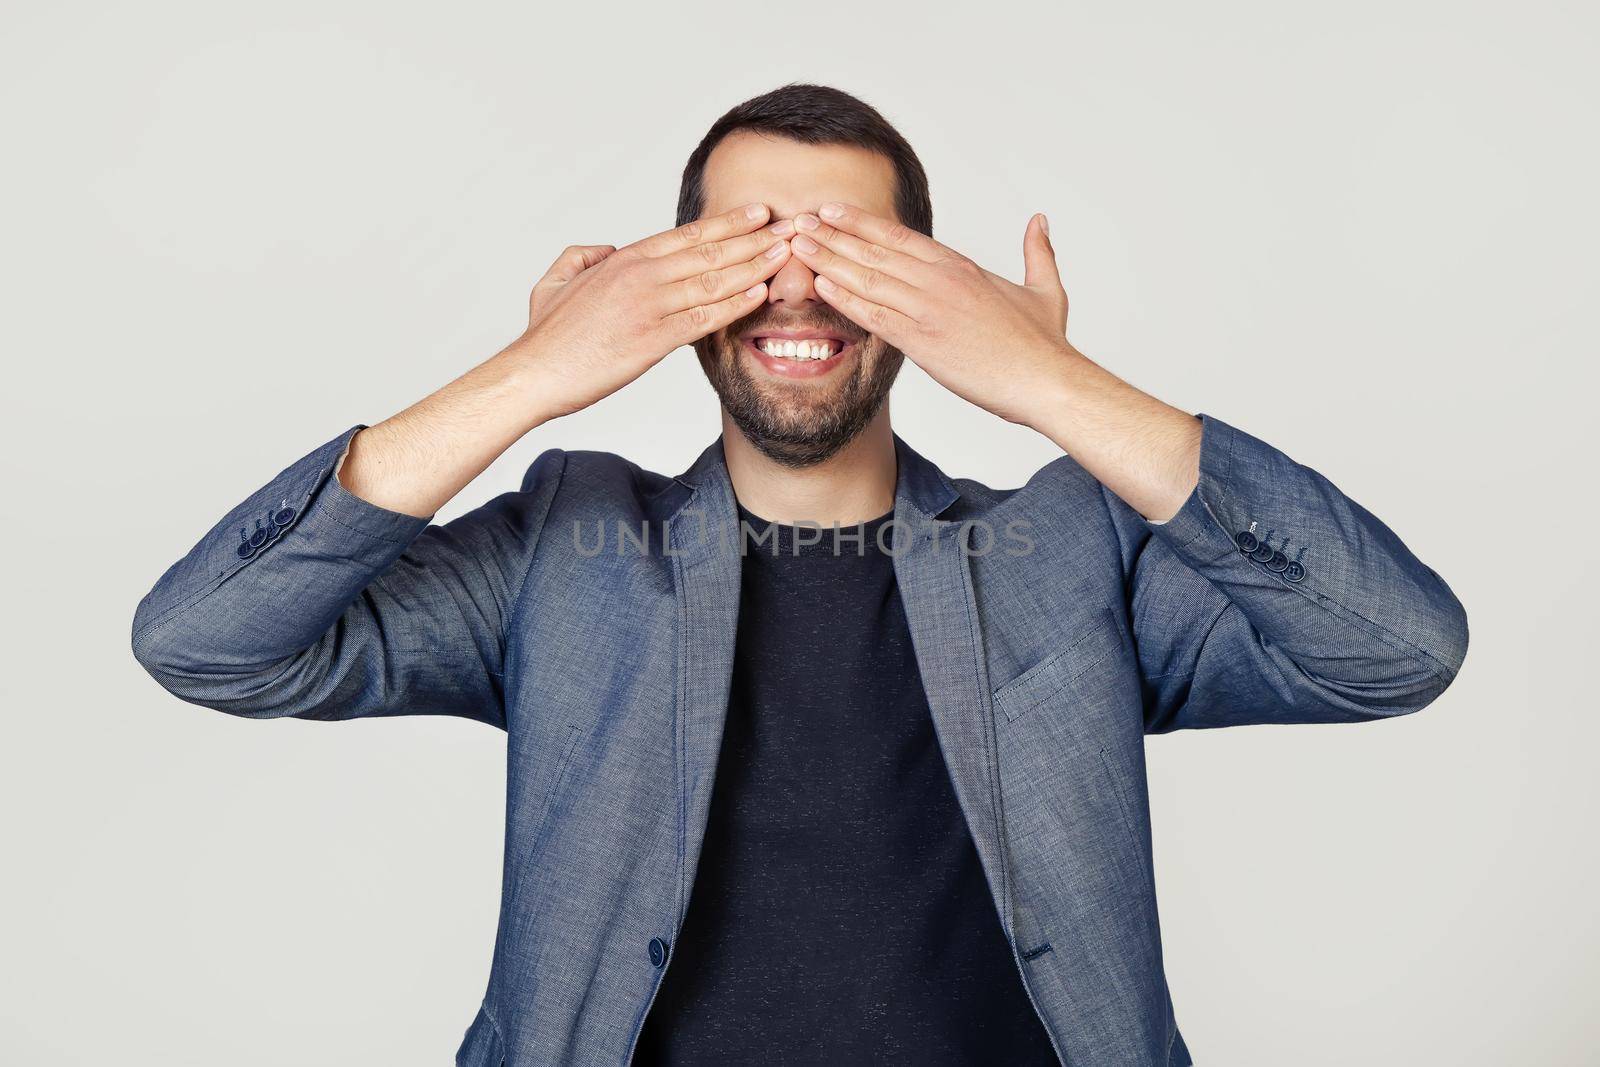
[[1053, 625]]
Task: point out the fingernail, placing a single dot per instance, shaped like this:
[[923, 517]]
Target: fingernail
[[802, 243], [782, 228], [831, 210], [755, 290], [824, 284], [776, 250], [806, 221], [755, 211], [1044, 223]]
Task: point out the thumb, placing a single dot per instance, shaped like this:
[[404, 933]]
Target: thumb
[[1039, 256], [574, 261]]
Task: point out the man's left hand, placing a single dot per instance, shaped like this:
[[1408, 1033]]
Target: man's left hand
[[999, 345]]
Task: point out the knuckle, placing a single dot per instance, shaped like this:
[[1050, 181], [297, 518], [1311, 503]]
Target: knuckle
[[871, 280], [691, 230], [709, 280], [898, 234], [879, 317], [698, 316], [710, 253], [874, 254]]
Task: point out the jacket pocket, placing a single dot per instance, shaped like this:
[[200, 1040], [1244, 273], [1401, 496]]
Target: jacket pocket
[[1072, 749], [570, 740], [1091, 648]]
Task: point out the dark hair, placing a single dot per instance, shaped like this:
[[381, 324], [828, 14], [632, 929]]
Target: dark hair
[[815, 114]]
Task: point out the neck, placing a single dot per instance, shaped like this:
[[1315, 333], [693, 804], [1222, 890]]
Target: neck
[[854, 485]]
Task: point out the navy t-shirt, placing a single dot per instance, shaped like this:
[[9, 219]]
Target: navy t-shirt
[[839, 914]]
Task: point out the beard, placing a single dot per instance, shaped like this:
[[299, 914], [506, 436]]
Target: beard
[[800, 424]]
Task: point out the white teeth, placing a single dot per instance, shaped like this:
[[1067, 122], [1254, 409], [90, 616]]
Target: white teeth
[[804, 349]]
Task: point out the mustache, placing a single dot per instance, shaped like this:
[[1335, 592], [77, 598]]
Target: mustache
[[822, 320]]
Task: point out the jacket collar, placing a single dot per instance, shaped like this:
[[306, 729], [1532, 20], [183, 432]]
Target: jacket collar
[[920, 486]]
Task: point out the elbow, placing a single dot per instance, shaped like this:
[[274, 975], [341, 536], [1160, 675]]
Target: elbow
[[155, 650], [1453, 638], [1446, 644], [147, 642], [182, 664], [1440, 649], [159, 646]]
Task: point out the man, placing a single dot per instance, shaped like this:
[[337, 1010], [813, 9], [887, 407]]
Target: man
[[775, 795]]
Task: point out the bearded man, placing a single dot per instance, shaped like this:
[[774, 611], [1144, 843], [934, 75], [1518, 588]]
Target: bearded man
[[834, 759]]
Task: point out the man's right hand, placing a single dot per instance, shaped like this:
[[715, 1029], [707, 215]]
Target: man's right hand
[[602, 316], [599, 318]]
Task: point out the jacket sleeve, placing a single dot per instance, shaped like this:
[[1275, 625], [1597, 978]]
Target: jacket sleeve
[[1272, 597], [307, 601]]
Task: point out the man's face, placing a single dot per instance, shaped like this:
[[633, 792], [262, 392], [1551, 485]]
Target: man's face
[[795, 409]]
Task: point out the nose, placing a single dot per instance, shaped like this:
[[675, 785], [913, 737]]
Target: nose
[[793, 287]]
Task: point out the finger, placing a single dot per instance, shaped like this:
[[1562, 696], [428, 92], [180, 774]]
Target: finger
[[714, 254], [710, 286], [876, 319], [868, 282], [691, 324], [741, 219], [886, 232], [907, 268], [574, 261], [1039, 257]]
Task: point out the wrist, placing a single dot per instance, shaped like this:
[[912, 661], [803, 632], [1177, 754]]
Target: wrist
[[1052, 393], [526, 380]]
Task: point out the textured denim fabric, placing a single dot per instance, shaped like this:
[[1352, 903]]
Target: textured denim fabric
[[610, 673]]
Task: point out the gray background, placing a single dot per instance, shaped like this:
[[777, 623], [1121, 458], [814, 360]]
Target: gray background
[[1365, 233]]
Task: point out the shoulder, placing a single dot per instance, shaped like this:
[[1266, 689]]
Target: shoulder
[[1066, 515], [1062, 485], [602, 483]]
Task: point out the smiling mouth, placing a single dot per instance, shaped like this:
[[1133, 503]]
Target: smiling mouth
[[799, 349]]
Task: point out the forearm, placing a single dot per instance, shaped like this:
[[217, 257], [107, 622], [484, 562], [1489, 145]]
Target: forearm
[[1145, 451], [417, 460]]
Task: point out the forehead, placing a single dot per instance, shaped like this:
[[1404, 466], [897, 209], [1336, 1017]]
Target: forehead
[[790, 177]]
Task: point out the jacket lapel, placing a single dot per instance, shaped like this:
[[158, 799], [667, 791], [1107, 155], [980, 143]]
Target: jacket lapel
[[935, 581], [706, 573]]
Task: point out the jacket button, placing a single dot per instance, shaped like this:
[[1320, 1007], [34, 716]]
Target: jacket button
[[658, 951], [246, 549], [1294, 572], [283, 516], [1279, 562], [258, 538], [1245, 540], [1262, 553]]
